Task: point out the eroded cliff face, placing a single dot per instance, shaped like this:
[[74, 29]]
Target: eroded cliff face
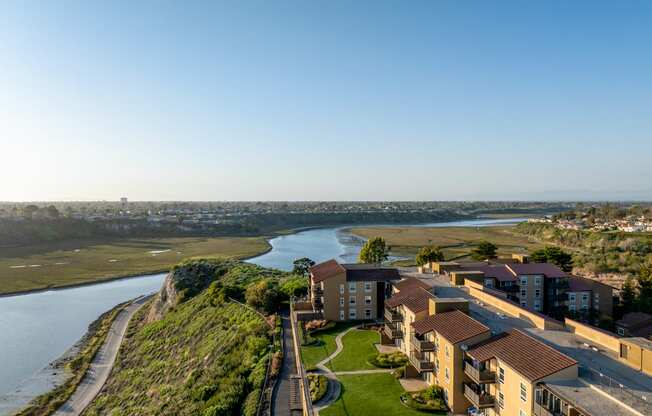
[[183, 282]]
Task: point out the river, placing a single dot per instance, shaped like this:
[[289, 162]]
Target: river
[[37, 328]]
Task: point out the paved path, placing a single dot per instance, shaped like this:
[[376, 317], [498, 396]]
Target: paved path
[[339, 347], [101, 366], [281, 393]]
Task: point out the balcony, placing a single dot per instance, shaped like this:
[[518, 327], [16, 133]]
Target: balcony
[[421, 345], [393, 316], [393, 331], [540, 410], [421, 363], [477, 375], [479, 399], [316, 302], [317, 290]]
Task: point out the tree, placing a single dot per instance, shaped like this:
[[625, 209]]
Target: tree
[[263, 295], [302, 266], [374, 251], [294, 286], [645, 289], [484, 250], [428, 254], [628, 296], [554, 255]]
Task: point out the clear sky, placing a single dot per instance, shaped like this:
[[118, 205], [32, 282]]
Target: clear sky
[[325, 100]]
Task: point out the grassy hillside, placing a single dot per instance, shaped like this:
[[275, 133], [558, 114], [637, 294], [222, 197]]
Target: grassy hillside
[[456, 242], [206, 356], [59, 264]]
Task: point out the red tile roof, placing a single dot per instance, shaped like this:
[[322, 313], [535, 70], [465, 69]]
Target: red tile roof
[[323, 271], [524, 354], [411, 282], [415, 299], [547, 269], [455, 326]]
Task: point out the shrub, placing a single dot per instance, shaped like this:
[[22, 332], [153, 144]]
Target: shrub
[[399, 372], [318, 386], [250, 406], [388, 360], [428, 400]]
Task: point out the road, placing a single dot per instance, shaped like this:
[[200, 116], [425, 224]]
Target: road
[[283, 390], [101, 366]]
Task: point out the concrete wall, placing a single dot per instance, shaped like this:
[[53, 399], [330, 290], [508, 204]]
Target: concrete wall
[[636, 356], [598, 336], [539, 320]]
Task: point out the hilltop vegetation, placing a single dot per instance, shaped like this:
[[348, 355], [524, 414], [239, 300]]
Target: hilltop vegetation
[[200, 354], [597, 252]]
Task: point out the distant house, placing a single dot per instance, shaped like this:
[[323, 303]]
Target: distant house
[[635, 324]]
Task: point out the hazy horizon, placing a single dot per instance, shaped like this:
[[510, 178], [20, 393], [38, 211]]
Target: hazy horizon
[[313, 101]]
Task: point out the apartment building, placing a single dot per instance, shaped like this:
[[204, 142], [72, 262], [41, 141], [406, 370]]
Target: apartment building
[[341, 292], [635, 324], [505, 371], [542, 287], [585, 295], [405, 307]]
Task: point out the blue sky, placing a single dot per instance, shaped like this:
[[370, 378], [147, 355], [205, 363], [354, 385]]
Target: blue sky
[[335, 100]]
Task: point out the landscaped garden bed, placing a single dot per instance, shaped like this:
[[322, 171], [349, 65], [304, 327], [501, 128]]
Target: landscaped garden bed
[[388, 360], [318, 386], [430, 400]]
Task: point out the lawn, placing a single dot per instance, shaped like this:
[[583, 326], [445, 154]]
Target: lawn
[[358, 346], [369, 395], [456, 242], [312, 354], [59, 264]]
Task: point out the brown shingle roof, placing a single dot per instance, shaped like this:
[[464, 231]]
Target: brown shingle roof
[[547, 269], [369, 272], [411, 282], [323, 271], [498, 271], [524, 354], [415, 299], [455, 326], [634, 319], [578, 284]]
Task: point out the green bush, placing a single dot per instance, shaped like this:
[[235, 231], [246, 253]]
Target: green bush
[[388, 360], [250, 406], [318, 386], [428, 400]]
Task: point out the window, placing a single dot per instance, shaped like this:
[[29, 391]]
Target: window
[[523, 293], [446, 374], [620, 331], [585, 299], [537, 281], [352, 300], [351, 287], [501, 375], [447, 352], [501, 400], [341, 289], [537, 305], [523, 392], [367, 314], [571, 297], [352, 314], [571, 307], [341, 301], [367, 300], [367, 286], [521, 412], [537, 293], [524, 280], [341, 314], [488, 283], [437, 365], [524, 303]]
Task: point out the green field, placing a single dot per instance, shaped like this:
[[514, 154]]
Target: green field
[[325, 345], [358, 346], [74, 262], [456, 242], [369, 395]]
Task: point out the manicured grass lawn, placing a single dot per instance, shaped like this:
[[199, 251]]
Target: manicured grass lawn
[[369, 395], [456, 242], [312, 354], [65, 263], [358, 346]]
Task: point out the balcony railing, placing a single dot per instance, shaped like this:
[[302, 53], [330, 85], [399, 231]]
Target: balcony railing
[[317, 290], [421, 363], [540, 410], [421, 345], [393, 331], [477, 375], [316, 301], [479, 399], [392, 316]]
